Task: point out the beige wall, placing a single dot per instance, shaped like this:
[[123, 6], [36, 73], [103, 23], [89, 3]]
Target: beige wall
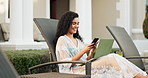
[[104, 14], [39, 9]]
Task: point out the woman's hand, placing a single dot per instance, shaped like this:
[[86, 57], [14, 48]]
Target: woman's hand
[[88, 48], [94, 47], [91, 47], [83, 51], [92, 51]]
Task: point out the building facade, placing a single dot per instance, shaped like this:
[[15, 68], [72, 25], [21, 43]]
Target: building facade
[[94, 16]]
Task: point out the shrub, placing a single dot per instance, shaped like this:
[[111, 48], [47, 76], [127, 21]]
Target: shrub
[[23, 59]]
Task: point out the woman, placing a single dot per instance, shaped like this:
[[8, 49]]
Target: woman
[[70, 47]]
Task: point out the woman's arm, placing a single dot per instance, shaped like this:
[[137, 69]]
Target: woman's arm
[[82, 52], [92, 51], [90, 54]]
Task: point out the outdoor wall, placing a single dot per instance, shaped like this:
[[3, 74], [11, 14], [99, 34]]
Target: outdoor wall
[[138, 15], [104, 14], [39, 9]]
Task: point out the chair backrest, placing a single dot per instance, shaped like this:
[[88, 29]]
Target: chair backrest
[[6, 68], [48, 29], [104, 47], [126, 44]]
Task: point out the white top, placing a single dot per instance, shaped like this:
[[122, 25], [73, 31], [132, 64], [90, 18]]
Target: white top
[[66, 49], [109, 66]]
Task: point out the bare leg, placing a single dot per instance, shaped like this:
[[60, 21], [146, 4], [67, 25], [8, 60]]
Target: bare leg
[[140, 76]]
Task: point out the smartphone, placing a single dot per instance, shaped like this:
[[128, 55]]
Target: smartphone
[[95, 40]]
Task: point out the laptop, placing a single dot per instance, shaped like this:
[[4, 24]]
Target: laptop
[[104, 47]]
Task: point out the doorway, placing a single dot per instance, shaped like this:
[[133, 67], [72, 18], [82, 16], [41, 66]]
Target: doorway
[[58, 7]]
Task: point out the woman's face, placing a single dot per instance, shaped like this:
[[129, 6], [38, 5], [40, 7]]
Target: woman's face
[[74, 26]]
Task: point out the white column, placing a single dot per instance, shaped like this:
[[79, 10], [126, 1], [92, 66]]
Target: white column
[[21, 22], [21, 26], [84, 9], [27, 21], [16, 21], [139, 10], [124, 8]]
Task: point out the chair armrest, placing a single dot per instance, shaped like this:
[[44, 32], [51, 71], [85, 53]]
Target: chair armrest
[[87, 63], [90, 60], [137, 57]]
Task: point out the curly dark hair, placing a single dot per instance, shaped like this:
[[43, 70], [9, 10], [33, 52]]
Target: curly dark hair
[[64, 24]]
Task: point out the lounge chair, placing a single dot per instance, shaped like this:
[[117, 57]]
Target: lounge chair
[[126, 45], [7, 70], [48, 28]]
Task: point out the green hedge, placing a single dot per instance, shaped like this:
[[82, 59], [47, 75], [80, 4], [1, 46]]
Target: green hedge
[[23, 59]]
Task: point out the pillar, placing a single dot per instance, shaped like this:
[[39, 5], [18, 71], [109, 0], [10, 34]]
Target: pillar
[[21, 26]]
